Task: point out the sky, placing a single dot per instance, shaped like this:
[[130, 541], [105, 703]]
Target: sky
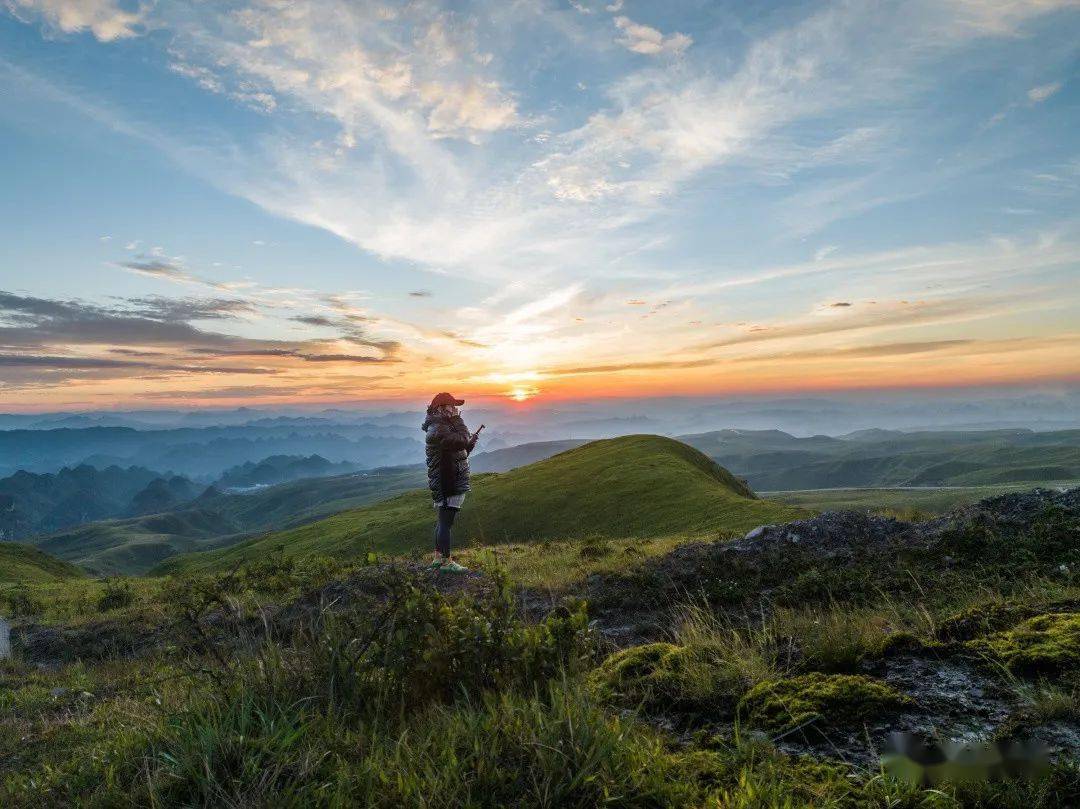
[[261, 201]]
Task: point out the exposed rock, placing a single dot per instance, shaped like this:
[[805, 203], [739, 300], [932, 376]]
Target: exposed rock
[[626, 605]]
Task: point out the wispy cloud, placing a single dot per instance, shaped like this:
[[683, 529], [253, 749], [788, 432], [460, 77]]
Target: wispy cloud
[[105, 19], [1037, 95], [646, 40], [49, 340]]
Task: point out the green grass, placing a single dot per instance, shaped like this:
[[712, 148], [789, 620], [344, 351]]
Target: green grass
[[901, 502], [631, 487], [440, 702], [135, 545], [563, 564], [22, 564]]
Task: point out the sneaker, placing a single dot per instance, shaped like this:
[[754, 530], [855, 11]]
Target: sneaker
[[453, 567]]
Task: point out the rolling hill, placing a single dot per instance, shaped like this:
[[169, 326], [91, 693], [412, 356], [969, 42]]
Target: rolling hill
[[642, 485], [133, 546], [23, 564]]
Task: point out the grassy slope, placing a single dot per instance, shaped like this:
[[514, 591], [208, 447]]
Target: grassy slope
[[135, 545], [22, 564], [930, 501], [303, 501], [635, 486]]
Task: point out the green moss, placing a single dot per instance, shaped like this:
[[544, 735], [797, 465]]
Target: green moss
[[640, 671], [898, 642], [824, 699], [665, 676], [982, 618], [1044, 644]]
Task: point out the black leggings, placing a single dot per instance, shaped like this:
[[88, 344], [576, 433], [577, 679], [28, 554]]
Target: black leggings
[[442, 529]]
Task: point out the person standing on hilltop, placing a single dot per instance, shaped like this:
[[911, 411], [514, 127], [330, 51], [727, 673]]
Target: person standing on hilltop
[[447, 444]]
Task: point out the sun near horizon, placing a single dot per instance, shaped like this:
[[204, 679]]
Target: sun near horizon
[[308, 203]]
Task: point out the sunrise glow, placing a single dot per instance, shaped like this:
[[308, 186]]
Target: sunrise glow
[[558, 201]]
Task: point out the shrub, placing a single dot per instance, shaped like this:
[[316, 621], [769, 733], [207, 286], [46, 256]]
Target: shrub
[[21, 603], [1048, 541], [432, 647], [117, 594], [595, 548], [410, 647]]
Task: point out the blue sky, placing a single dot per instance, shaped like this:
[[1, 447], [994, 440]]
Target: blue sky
[[320, 200]]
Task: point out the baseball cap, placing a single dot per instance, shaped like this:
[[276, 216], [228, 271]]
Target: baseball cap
[[446, 399]]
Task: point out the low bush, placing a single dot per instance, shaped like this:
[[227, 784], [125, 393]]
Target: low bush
[[20, 602], [1047, 541], [116, 594]]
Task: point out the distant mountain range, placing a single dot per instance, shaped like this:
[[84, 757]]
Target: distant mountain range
[[282, 469], [772, 460], [34, 504], [206, 452]]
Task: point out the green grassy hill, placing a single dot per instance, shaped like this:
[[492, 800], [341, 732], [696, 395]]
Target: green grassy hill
[[22, 564], [635, 486], [136, 545]]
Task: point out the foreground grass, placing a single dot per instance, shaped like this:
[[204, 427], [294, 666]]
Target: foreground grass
[[559, 565], [429, 701], [401, 696]]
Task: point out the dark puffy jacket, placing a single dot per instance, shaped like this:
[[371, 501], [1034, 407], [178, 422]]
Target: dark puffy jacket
[[448, 444]]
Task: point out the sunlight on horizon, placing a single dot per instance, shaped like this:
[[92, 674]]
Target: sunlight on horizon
[[596, 199], [523, 394]]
